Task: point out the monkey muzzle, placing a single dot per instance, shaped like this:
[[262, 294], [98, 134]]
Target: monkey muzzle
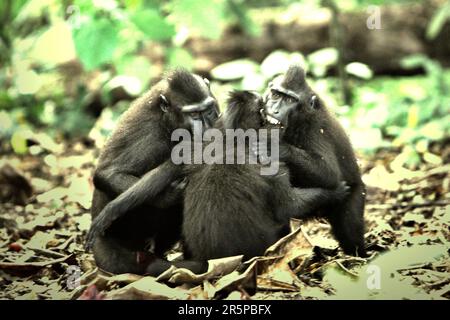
[[202, 115], [277, 109]]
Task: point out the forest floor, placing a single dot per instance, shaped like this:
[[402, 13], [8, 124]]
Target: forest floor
[[407, 215]]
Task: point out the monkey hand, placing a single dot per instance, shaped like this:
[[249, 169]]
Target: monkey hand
[[265, 154], [342, 191], [91, 236], [98, 227], [261, 152]]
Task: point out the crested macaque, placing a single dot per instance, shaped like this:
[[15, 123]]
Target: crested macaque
[[231, 209], [318, 153], [138, 148]]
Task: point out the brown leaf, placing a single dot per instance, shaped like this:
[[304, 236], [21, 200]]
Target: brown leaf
[[31, 266]]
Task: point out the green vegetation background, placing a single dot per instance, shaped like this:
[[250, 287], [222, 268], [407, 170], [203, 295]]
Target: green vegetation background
[[41, 39]]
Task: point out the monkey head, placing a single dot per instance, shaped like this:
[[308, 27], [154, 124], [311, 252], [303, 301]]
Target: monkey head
[[289, 96], [245, 110], [187, 101]]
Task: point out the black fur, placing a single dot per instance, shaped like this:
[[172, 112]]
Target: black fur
[[230, 209], [137, 149], [319, 154], [183, 84], [295, 79]]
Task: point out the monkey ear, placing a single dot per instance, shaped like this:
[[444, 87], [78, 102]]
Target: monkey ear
[[313, 102], [163, 103]]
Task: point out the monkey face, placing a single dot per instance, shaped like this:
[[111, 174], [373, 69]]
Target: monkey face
[[279, 103], [191, 99], [204, 112], [289, 96], [201, 115]]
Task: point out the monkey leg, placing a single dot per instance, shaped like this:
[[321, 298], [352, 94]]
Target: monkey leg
[[112, 256], [347, 222], [99, 201], [166, 229], [124, 246], [305, 202], [143, 191]]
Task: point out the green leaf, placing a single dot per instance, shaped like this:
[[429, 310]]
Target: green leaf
[[6, 123], [138, 67], [95, 42], [179, 57], [153, 25], [54, 46], [438, 21], [19, 141], [413, 61], [359, 70], [14, 7], [321, 60], [134, 5], [207, 18]]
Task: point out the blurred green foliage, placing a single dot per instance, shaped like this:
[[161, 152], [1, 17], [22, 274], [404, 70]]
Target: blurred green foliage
[[40, 86], [386, 111], [408, 110], [441, 16], [107, 37]]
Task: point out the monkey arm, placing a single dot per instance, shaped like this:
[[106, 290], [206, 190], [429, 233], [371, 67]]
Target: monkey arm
[[320, 170], [120, 170], [313, 169], [303, 203], [118, 183], [144, 190], [113, 182]]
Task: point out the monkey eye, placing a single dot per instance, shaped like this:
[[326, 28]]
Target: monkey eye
[[290, 100], [164, 104], [276, 95], [206, 81], [313, 102]]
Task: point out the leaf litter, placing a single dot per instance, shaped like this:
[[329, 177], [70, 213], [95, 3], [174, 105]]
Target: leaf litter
[[45, 202]]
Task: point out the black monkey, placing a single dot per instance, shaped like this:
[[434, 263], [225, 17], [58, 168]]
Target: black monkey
[[231, 209], [138, 148], [318, 153]]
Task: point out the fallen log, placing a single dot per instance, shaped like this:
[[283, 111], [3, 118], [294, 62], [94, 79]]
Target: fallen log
[[402, 33]]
